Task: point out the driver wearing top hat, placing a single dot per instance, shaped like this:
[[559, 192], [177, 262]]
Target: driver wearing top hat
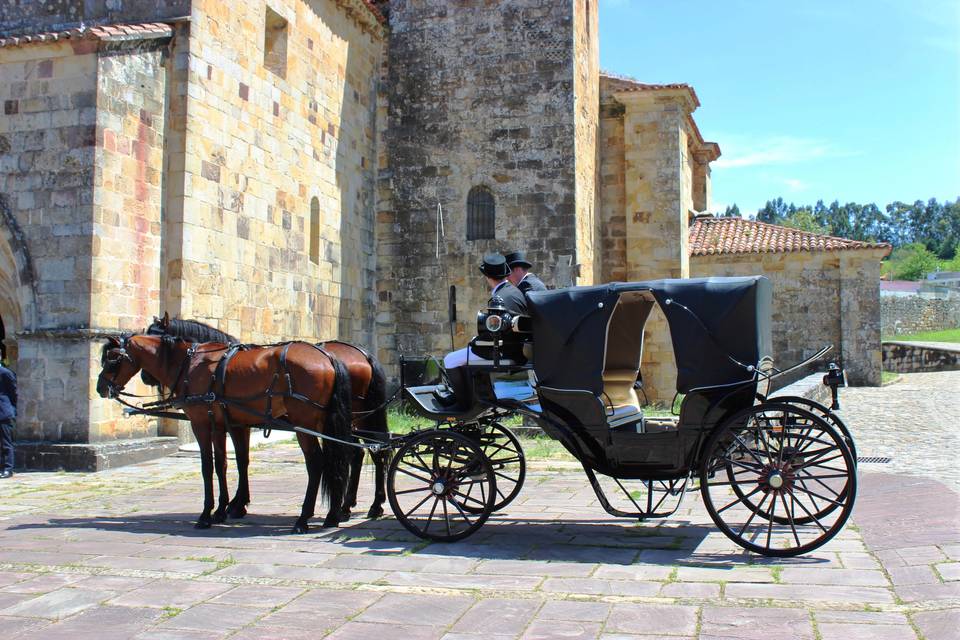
[[520, 275], [497, 271]]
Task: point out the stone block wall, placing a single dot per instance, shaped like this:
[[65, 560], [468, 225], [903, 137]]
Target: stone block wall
[[476, 97], [902, 315], [47, 142], [84, 129], [819, 299], [906, 357], [612, 187], [586, 92], [260, 148]]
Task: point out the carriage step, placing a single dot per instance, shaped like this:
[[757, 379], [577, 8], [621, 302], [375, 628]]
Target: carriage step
[[873, 460]]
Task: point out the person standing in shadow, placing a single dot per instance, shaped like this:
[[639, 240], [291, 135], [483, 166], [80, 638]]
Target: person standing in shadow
[[8, 419]]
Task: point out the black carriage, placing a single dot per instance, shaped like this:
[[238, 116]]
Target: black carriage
[[777, 475]]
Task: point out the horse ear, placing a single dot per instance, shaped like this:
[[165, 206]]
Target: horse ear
[[113, 341], [166, 320]]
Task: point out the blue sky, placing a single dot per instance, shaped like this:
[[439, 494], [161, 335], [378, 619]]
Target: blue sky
[[853, 100]]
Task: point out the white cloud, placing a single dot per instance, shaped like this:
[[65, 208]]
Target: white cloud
[[794, 185], [773, 150]]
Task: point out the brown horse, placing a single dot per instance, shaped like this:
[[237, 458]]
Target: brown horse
[[296, 381], [368, 393]]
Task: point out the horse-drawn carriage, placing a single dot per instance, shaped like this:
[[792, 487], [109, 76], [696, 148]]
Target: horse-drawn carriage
[[777, 475]]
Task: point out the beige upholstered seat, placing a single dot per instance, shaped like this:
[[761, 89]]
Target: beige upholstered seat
[[624, 350]]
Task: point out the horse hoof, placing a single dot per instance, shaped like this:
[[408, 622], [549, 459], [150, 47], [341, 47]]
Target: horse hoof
[[202, 524], [345, 515], [300, 528], [219, 517], [236, 512], [374, 513], [330, 524]]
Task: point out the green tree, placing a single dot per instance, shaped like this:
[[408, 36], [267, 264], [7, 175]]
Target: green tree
[[805, 220], [732, 211], [912, 262]]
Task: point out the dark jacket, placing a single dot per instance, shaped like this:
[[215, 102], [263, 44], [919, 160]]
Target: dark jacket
[[531, 282], [8, 394], [513, 300]]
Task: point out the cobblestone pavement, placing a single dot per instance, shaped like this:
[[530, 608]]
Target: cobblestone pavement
[[913, 421], [114, 555]]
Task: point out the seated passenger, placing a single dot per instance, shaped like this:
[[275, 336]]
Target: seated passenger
[[520, 275]]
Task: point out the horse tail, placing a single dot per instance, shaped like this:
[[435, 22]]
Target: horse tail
[[337, 456], [376, 397]]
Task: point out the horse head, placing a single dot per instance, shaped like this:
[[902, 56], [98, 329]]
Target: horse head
[[117, 366]]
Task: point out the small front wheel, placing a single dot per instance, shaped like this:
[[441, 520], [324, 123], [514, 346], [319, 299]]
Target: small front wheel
[[434, 476], [506, 457]]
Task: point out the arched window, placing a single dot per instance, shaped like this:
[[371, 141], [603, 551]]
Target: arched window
[[315, 230], [480, 214]]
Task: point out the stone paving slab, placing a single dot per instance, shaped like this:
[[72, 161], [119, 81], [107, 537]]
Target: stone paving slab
[[114, 555]]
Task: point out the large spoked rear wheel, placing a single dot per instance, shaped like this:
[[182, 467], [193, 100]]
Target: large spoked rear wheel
[[502, 448], [431, 479], [824, 412], [790, 480]]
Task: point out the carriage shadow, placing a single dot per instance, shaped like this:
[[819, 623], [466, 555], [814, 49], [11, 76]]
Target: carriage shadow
[[574, 540]]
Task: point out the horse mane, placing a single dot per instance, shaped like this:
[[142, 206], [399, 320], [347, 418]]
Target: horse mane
[[192, 330]]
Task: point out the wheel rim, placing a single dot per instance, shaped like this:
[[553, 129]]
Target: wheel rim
[[432, 477], [790, 480], [502, 448]]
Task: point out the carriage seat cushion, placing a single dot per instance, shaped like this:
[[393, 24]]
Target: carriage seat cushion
[[618, 385]]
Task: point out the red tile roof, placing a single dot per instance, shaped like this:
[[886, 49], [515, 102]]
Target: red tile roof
[[718, 236], [140, 31]]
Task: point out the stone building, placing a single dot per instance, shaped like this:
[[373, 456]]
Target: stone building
[[275, 168], [825, 289]]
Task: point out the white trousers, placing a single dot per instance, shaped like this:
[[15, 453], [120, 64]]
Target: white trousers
[[459, 358]]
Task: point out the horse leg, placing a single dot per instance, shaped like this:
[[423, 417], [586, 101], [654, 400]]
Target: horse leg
[[381, 460], [206, 470], [312, 458], [350, 499], [241, 448], [220, 463]]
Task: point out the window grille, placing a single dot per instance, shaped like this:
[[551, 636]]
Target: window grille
[[481, 215]]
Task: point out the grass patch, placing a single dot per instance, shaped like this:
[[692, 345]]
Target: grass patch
[[777, 573], [171, 612], [888, 377], [947, 335]]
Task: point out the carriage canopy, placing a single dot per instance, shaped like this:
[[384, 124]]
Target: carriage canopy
[[583, 335]]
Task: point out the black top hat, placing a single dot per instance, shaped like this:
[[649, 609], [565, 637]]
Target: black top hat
[[517, 259], [494, 266]]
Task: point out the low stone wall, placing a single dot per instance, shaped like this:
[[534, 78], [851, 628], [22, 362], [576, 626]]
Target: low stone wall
[[902, 315], [905, 357]]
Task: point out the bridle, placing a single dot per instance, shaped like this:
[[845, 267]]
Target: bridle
[[111, 364]]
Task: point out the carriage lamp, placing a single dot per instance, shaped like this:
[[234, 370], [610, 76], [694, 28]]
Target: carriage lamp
[[834, 379], [493, 323]]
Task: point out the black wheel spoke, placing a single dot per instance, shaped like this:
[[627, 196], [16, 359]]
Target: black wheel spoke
[[789, 513], [752, 515], [400, 493], [468, 498], [747, 449], [810, 515], [824, 498], [413, 475], [737, 500], [432, 511], [419, 504], [773, 513]]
